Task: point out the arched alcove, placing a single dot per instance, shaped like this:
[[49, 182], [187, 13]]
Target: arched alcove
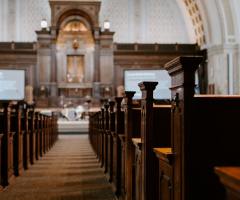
[[75, 50]]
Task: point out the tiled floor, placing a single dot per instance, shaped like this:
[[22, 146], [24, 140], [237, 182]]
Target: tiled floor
[[69, 171]]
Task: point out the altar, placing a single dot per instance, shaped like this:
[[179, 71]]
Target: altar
[[66, 126]]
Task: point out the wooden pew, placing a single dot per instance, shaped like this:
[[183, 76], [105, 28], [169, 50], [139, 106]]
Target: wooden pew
[[132, 124], [38, 134], [155, 131], [18, 143], [7, 172], [97, 132], [26, 139], [16, 128], [1, 148], [102, 120], [91, 130], [94, 134], [1, 136], [119, 130], [122, 194], [32, 134], [203, 136], [45, 132], [137, 165], [105, 135], [41, 134], [230, 178], [111, 129]]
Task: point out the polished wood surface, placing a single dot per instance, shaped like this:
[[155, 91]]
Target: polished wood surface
[[188, 137], [203, 136], [230, 178]]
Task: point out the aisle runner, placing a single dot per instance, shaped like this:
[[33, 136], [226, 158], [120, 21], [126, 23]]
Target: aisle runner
[[70, 171]]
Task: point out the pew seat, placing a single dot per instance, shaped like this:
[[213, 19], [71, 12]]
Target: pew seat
[[230, 178], [137, 168], [122, 181], [165, 156], [1, 135]]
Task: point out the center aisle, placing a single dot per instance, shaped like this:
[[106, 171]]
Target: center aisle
[[69, 171]]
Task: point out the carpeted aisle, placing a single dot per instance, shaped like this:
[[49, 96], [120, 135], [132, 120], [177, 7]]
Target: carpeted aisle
[[69, 171]]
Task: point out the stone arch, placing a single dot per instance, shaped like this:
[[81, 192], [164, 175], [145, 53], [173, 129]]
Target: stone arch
[[194, 20], [74, 13], [225, 7], [75, 18]]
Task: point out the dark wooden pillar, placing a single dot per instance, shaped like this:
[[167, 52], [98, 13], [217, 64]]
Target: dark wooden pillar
[[37, 132], [147, 136], [182, 71], [1, 162], [119, 129], [7, 147], [106, 129], [26, 146], [32, 135], [128, 124], [102, 137], [41, 138], [16, 128], [110, 139]]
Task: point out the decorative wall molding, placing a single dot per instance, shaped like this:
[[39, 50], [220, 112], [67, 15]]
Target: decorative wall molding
[[132, 21]]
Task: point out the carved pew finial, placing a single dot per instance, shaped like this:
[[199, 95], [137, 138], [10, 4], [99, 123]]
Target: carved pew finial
[[111, 104], [128, 131], [118, 101], [128, 97], [147, 135], [118, 118], [147, 89], [182, 71]]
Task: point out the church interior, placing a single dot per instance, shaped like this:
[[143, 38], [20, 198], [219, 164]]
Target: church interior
[[119, 100]]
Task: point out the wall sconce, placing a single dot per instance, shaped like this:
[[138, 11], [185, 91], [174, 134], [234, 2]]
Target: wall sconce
[[106, 25], [44, 24]]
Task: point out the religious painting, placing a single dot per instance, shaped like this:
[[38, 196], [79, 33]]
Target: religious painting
[[75, 68]]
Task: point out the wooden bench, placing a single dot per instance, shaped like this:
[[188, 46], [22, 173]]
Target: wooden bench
[[203, 136], [230, 178], [132, 125], [37, 130], [16, 128], [125, 132], [155, 131], [7, 170], [26, 139], [118, 130], [1, 136], [21, 138], [32, 134], [110, 131]]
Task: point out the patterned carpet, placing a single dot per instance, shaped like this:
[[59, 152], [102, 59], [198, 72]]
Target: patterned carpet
[[69, 171]]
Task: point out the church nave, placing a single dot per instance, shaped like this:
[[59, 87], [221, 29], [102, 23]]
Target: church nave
[[69, 170]]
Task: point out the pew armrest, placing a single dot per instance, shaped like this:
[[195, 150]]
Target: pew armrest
[[12, 133], [137, 142], [122, 137], [165, 154], [230, 177]]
